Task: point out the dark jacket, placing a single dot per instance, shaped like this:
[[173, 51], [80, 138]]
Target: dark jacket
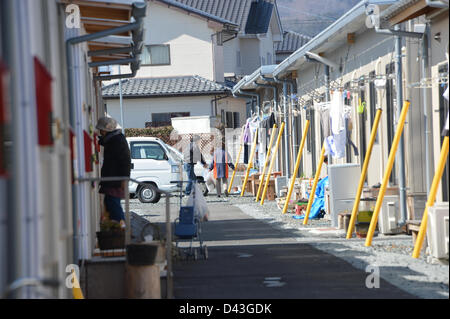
[[116, 158]]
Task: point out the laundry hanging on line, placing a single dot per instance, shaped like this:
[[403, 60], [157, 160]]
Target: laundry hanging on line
[[337, 126]]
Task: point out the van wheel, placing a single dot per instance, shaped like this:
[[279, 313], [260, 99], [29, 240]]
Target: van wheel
[[149, 194]]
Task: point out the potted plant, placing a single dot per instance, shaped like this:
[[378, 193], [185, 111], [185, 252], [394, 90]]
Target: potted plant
[[301, 206], [111, 235]]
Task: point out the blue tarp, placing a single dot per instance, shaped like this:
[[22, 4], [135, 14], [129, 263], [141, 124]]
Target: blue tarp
[[319, 200]]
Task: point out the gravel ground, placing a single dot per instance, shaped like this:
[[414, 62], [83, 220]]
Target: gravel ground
[[391, 254]]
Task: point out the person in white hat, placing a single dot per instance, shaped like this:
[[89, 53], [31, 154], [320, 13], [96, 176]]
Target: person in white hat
[[116, 163]]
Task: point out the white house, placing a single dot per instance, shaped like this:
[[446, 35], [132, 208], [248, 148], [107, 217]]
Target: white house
[[192, 53]]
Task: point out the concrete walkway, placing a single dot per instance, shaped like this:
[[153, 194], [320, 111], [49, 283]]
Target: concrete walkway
[[250, 259]]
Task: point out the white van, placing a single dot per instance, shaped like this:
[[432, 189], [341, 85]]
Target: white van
[[155, 162]]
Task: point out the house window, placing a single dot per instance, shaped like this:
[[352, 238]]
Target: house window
[[229, 119], [238, 59], [236, 120], [156, 55], [263, 61], [269, 58]]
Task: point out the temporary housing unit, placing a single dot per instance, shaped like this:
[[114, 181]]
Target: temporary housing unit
[[354, 59], [50, 52]]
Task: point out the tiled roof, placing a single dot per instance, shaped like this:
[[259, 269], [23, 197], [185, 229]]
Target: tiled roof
[[185, 5], [291, 42], [236, 11], [160, 87]]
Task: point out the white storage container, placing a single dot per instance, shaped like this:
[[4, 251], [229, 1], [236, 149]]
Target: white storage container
[[343, 184], [437, 230]]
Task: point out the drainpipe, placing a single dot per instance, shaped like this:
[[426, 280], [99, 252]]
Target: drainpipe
[[327, 83], [327, 96], [23, 223], [292, 84], [398, 67], [401, 146], [267, 86], [249, 94], [425, 65], [322, 60]]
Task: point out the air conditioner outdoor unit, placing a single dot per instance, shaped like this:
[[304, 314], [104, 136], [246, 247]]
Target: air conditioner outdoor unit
[[437, 230], [389, 215]]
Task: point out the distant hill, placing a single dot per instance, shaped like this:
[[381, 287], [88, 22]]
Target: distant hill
[[309, 17]]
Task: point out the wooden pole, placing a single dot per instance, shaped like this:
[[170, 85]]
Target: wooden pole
[[387, 174], [363, 174], [272, 163], [250, 163], [237, 160], [297, 165], [76, 289], [272, 137], [431, 198]]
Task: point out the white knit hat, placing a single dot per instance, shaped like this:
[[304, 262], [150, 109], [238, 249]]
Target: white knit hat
[[107, 124]]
